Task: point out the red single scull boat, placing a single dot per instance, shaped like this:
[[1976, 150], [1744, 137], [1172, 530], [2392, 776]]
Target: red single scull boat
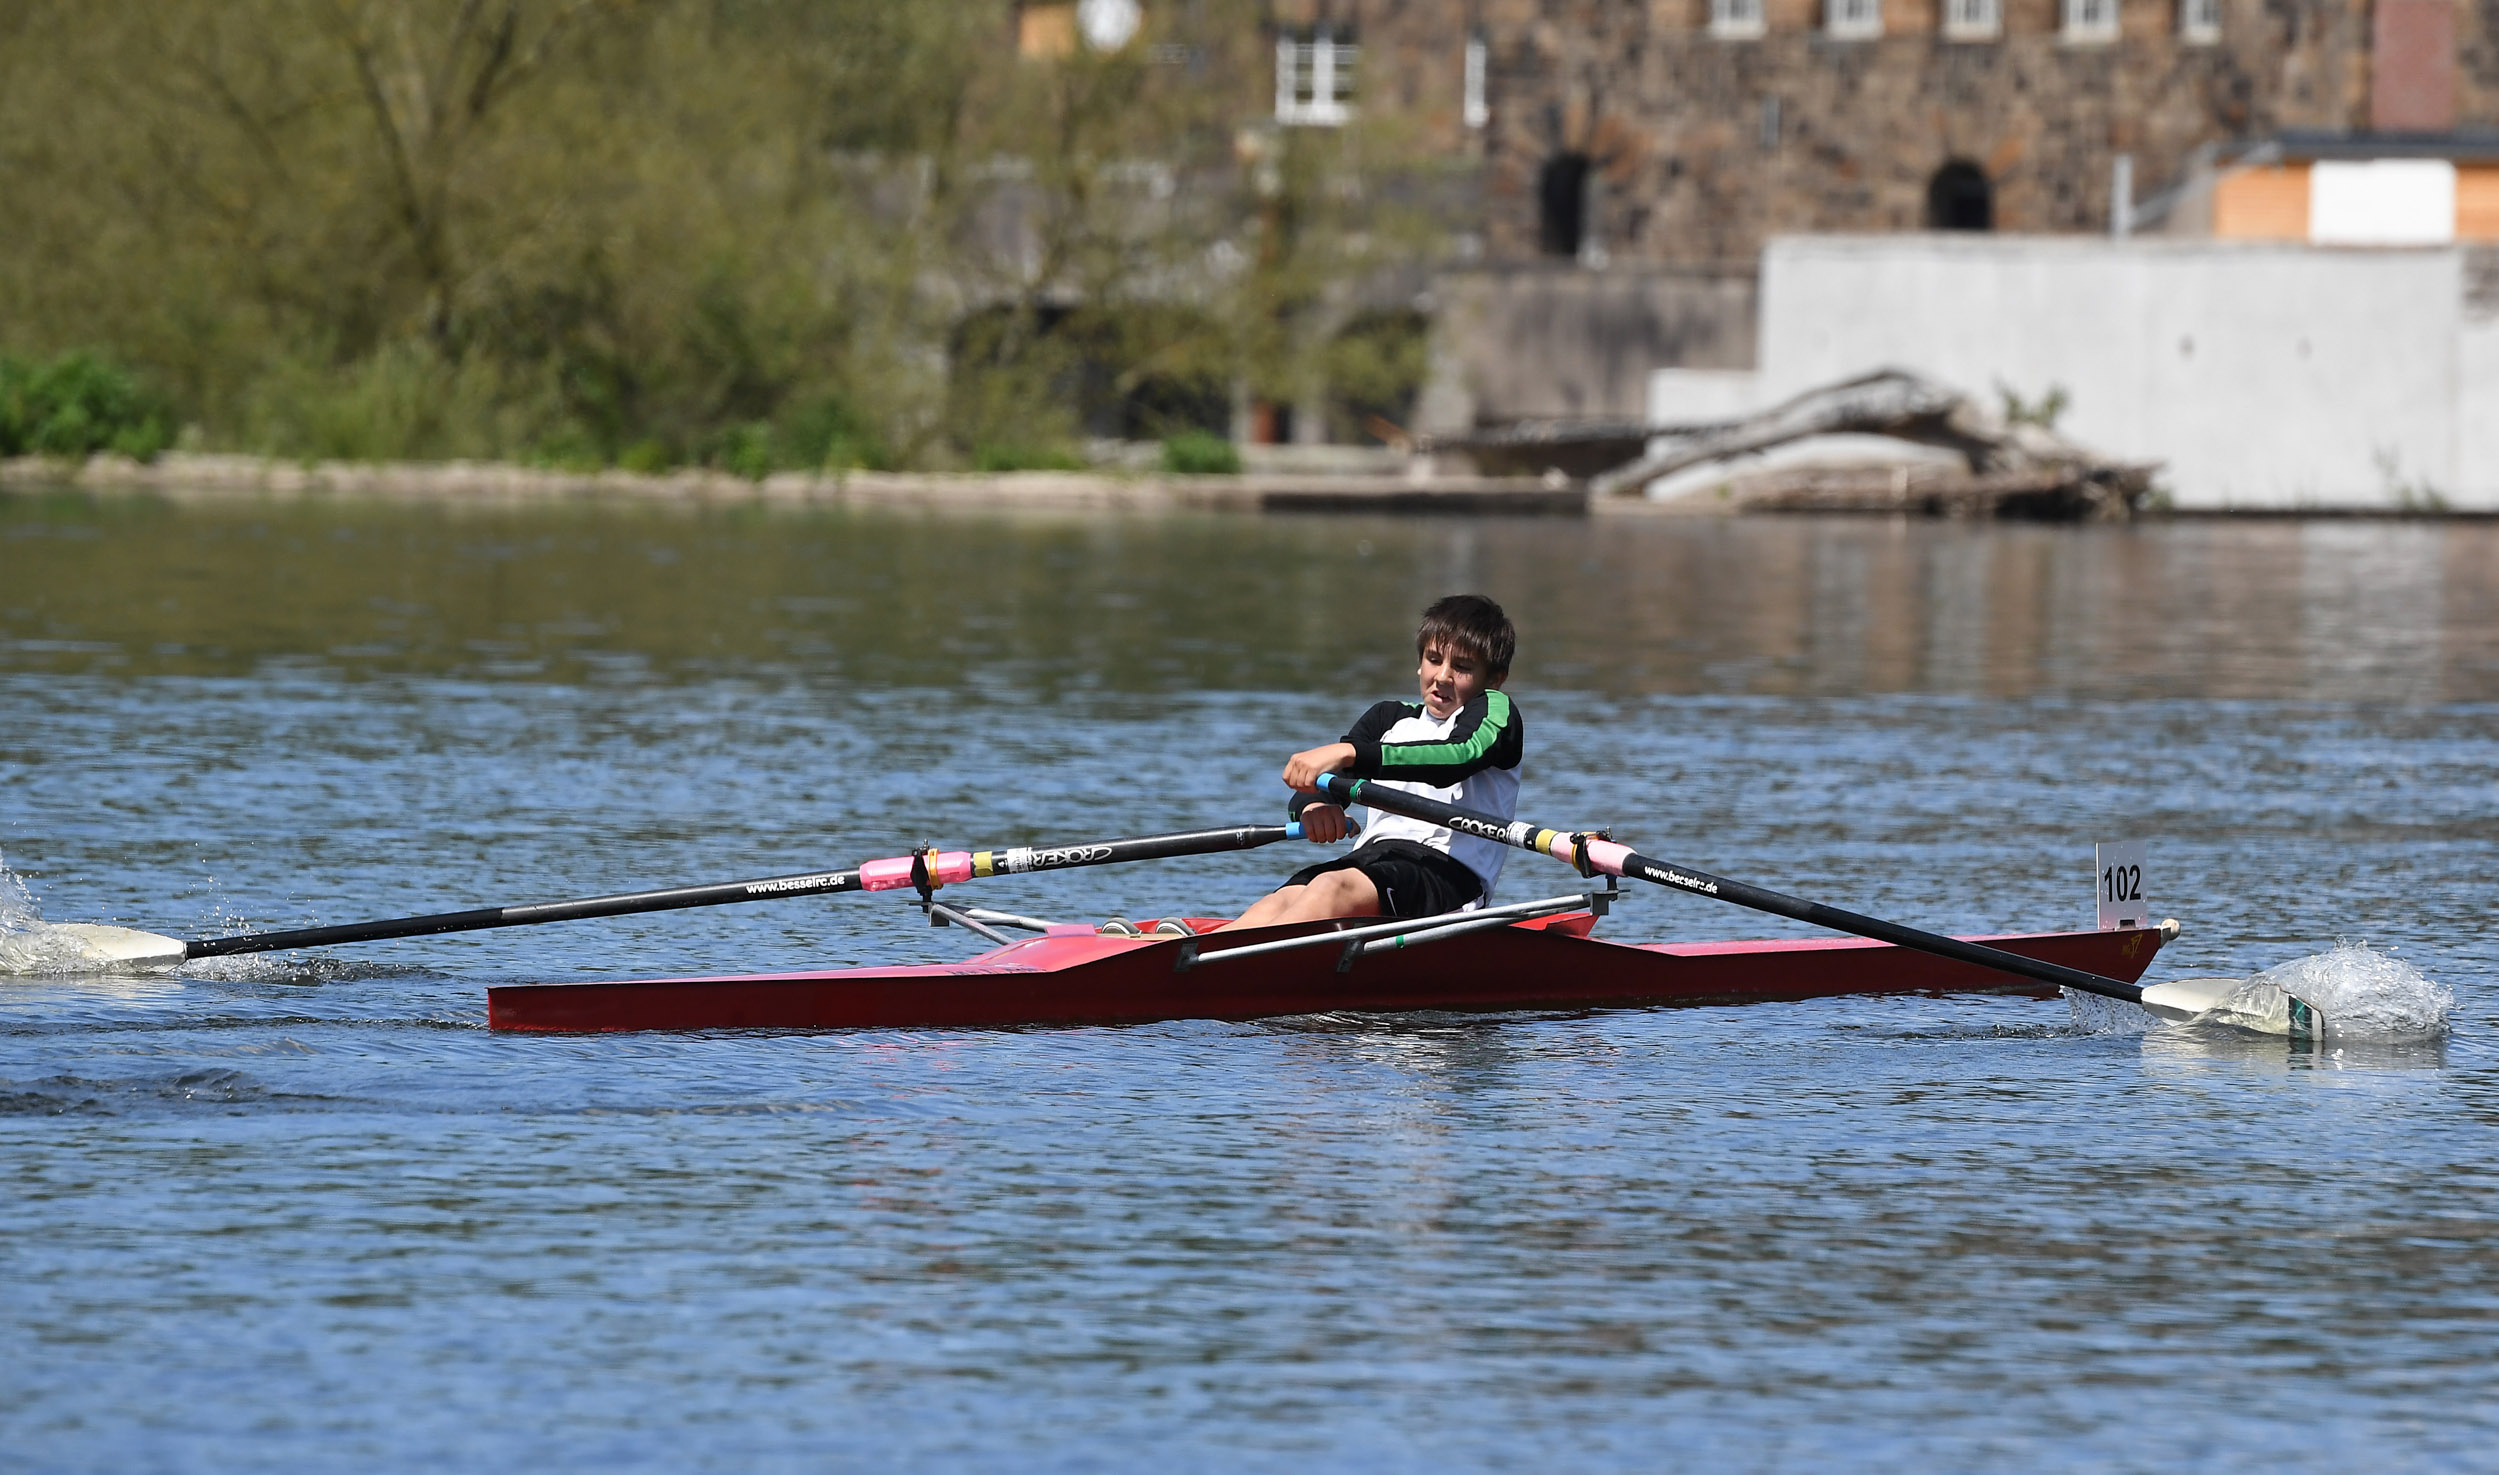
[[1531, 955], [1071, 975]]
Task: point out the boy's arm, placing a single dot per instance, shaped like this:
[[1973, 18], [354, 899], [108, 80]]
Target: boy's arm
[[1487, 734], [1305, 767], [1302, 771]]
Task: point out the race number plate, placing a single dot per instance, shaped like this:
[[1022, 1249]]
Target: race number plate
[[2119, 869]]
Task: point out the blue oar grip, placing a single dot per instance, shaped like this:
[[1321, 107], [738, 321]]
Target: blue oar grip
[[1336, 784], [1292, 829]]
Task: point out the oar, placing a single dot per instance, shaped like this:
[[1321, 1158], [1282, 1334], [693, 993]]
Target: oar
[[2193, 998], [931, 869]]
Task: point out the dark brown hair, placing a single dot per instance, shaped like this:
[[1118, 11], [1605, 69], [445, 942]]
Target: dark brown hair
[[1473, 624]]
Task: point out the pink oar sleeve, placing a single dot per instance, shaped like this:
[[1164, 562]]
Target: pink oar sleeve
[[945, 867]]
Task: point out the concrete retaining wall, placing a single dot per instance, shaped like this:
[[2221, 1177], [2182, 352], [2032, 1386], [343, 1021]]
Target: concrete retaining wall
[[2265, 376], [1532, 342]]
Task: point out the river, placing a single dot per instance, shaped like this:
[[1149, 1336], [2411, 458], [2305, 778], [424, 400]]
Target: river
[[309, 1213]]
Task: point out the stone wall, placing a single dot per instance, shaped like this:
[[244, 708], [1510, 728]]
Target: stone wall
[[1532, 342], [1703, 148]]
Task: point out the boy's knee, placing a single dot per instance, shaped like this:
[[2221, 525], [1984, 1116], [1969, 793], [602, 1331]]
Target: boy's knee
[[1344, 892]]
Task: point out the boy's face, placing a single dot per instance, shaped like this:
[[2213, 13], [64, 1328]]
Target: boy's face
[[1450, 677]]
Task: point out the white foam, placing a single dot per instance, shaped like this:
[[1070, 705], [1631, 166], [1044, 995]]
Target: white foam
[[28, 944], [2362, 993], [31, 945]]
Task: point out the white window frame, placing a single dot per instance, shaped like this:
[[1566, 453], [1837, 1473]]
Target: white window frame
[[1737, 20], [1852, 20], [1315, 80], [1108, 25], [1973, 20], [2199, 22], [2089, 22], [1472, 108]]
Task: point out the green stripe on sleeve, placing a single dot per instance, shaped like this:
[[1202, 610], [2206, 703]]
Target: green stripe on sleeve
[[1437, 755]]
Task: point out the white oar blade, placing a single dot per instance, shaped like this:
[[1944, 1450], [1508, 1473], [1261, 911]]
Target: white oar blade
[[2183, 999], [121, 949], [2246, 1004]]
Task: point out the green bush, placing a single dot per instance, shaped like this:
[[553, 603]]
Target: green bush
[[743, 449], [1201, 453], [817, 434], [647, 456], [408, 401], [78, 405], [826, 434], [995, 457]]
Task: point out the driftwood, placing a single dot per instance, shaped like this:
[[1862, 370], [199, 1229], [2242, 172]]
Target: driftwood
[[2015, 469], [2039, 494]]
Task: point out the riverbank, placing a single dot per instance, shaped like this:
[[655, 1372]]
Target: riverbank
[[192, 477], [1321, 487]]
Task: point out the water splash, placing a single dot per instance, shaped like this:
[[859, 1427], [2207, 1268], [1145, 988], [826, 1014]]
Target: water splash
[[2096, 1015], [29, 944], [2363, 993]]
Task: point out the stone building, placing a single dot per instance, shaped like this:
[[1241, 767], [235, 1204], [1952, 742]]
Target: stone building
[[1665, 143], [1629, 160], [1688, 132]]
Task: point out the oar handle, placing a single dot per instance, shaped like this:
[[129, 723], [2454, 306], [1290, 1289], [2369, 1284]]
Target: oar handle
[[1621, 860], [941, 868]]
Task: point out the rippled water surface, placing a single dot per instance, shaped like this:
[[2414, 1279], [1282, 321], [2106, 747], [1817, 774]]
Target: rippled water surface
[[311, 1214]]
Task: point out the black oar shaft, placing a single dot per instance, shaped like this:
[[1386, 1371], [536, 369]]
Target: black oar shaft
[[528, 914], [1016, 860], [1627, 862], [1761, 899]]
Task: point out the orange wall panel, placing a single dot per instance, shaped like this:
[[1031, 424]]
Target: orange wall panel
[[2266, 204], [2477, 202], [1045, 30]]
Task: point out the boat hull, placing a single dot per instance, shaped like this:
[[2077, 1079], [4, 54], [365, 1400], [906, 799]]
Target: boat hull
[[1073, 977]]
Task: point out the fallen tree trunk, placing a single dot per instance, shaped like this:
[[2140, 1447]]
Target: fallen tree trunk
[[2009, 464]]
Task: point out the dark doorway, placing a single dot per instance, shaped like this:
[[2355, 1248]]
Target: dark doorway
[[1562, 194], [1960, 198]]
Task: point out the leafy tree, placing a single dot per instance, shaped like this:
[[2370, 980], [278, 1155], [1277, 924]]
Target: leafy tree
[[752, 232]]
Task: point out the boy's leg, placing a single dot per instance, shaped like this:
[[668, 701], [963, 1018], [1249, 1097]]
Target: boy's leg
[[1340, 893]]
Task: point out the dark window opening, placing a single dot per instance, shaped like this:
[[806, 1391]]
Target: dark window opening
[[1562, 195], [1960, 198]]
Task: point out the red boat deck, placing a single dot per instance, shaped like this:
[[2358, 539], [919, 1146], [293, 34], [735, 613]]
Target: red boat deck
[[1071, 976]]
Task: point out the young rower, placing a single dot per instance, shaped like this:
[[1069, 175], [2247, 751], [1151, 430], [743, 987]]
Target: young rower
[[1460, 744]]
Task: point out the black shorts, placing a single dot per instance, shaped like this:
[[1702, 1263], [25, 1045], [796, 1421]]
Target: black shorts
[[1413, 880]]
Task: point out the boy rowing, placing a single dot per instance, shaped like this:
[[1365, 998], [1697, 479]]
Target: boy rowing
[[1461, 745]]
